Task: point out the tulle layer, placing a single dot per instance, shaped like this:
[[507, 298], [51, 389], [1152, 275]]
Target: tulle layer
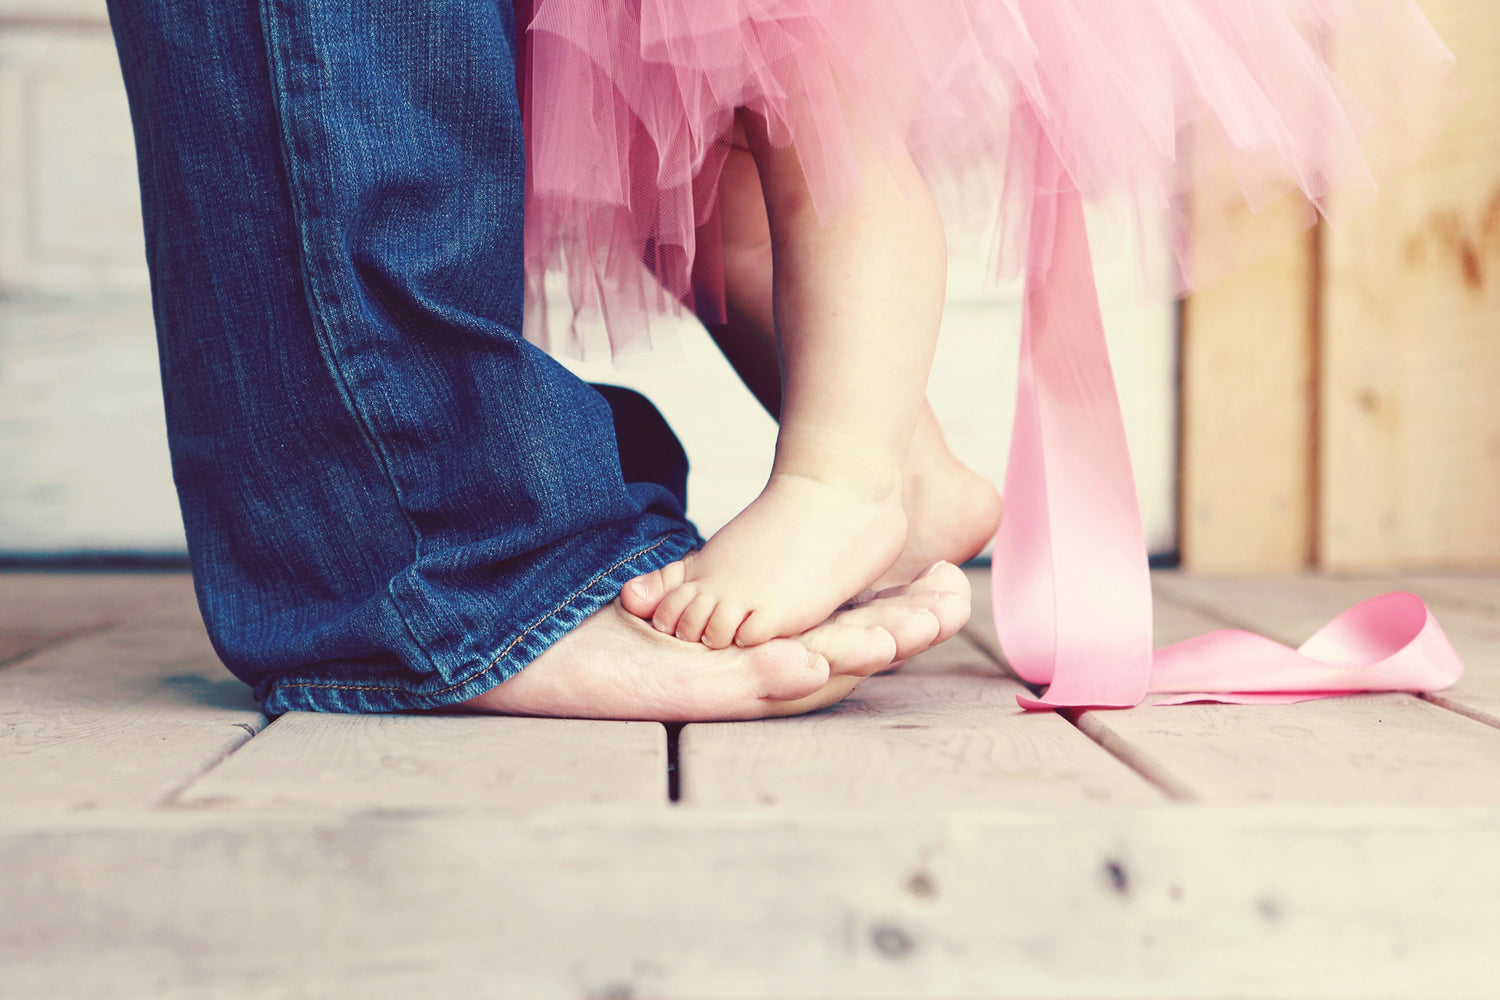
[[629, 106]]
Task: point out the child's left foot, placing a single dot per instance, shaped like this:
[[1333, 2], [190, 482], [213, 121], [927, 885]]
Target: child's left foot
[[786, 562]]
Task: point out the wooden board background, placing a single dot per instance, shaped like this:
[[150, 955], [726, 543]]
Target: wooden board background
[[1337, 397], [1410, 457], [83, 459], [925, 838], [1339, 400]]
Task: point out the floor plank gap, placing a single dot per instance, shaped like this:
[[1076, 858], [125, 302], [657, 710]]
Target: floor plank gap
[[172, 798], [1462, 708], [1130, 756], [674, 762]]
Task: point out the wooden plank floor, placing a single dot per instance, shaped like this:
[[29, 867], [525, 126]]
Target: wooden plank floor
[[924, 839]]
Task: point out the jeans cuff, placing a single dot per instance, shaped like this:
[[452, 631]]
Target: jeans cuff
[[386, 694]]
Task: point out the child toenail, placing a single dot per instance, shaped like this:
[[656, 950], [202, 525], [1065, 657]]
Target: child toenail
[[638, 589]]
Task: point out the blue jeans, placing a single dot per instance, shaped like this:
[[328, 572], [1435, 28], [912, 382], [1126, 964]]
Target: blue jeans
[[392, 500]]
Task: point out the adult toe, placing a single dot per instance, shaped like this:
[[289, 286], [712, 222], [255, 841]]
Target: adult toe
[[786, 671], [852, 649]]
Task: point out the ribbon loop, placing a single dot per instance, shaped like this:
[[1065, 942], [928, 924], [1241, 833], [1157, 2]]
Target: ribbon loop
[[1072, 588]]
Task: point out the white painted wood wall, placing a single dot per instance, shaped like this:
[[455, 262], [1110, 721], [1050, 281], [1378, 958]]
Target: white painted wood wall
[[83, 458]]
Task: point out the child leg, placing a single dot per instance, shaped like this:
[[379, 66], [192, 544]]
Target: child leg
[[951, 511], [857, 300]]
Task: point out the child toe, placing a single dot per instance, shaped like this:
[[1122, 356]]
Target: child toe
[[669, 612], [695, 618]]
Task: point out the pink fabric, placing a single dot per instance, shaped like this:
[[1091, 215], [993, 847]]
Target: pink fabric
[[1016, 110], [628, 105], [1072, 595]]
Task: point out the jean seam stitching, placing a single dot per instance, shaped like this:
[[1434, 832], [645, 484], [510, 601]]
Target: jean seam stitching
[[316, 301], [320, 310], [509, 646]]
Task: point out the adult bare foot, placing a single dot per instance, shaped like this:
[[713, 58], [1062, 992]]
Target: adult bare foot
[[615, 666], [937, 598]]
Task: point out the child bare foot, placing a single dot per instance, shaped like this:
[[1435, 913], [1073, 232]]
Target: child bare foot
[[857, 299], [951, 510], [825, 527]]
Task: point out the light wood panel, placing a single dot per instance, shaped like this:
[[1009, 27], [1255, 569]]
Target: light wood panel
[[1470, 592], [117, 720], [312, 761], [1382, 749], [1286, 608], [1363, 749], [1411, 430], [1476, 636], [973, 747], [981, 625], [1036, 902], [1248, 360], [963, 655], [917, 741], [38, 608]]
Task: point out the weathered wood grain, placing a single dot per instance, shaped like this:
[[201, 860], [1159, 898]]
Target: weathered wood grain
[[906, 741], [981, 626], [1363, 749], [120, 719], [962, 655], [1411, 431], [1248, 350], [1080, 903], [1479, 593], [39, 608], [310, 761], [1285, 607], [1387, 749]]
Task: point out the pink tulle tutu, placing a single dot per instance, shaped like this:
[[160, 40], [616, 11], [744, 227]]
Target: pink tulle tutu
[[629, 106]]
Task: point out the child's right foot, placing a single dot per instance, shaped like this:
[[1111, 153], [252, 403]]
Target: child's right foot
[[951, 511], [814, 538]]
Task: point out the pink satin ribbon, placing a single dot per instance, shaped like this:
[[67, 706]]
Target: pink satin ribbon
[[1072, 591]]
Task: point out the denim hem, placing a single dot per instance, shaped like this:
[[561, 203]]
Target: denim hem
[[508, 659]]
